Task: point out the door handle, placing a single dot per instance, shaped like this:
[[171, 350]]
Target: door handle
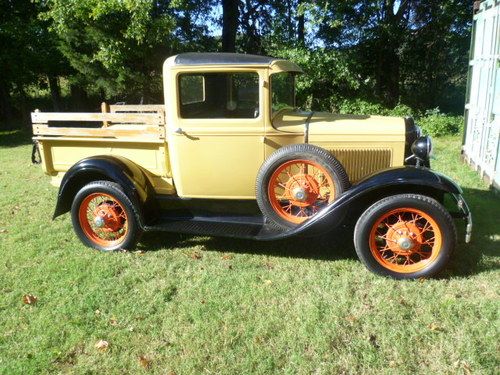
[[182, 132]]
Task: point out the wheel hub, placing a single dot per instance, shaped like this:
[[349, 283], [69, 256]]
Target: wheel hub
[[300, 194], [405, 243], [404, 238], [303, 190], [99, 222], [107, 217]]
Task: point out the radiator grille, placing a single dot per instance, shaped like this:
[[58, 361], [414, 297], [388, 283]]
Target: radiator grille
[[359, 163]]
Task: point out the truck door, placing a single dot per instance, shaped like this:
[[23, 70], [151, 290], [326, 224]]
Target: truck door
[[216, 144]]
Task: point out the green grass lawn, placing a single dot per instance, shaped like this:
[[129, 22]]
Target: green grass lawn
[[191, 305]]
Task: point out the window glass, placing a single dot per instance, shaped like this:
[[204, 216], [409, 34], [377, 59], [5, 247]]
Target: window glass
[[192, 89], [282, 91], [219, 95]]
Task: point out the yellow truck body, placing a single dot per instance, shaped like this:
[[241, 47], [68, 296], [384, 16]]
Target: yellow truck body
[[216, 158]]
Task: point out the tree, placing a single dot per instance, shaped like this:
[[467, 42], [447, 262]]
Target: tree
[[384, 37], [118, 47], [28, 55], [382, 51]]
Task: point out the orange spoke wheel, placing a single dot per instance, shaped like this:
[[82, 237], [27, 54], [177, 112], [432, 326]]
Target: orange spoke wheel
[[299, 188], [296, 181], [405, 240], [103, 219]]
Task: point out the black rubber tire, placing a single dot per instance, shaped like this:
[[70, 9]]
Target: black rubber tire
[[421, 202], [290, 152], [134, 231]]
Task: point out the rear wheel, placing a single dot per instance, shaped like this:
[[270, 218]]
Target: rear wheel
[[296, 182], [104, 217], [405, 236]]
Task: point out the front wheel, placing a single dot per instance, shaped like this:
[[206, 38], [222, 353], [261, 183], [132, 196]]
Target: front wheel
[[405, 236], [104, 217]]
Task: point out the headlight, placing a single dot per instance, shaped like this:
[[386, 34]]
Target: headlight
[[422, 148]]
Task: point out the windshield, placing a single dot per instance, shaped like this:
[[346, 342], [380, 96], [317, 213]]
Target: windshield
[[282, 91]]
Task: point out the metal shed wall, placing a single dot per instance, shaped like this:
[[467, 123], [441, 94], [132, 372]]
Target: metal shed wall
[[481, 146]]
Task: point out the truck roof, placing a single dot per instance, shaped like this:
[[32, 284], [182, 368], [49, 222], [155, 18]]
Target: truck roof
[[226, 58]]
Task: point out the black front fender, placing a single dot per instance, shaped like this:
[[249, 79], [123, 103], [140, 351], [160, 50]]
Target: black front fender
[[376, 186], [112, 168]]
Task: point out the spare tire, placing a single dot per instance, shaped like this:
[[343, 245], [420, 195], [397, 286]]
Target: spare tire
[[296, 181]]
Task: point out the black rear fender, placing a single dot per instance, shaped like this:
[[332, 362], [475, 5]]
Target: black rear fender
[[110, 168]]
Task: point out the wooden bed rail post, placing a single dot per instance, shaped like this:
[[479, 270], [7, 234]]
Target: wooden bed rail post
[[105, 109]]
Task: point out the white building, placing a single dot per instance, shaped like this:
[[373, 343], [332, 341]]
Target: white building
[[481, 144]]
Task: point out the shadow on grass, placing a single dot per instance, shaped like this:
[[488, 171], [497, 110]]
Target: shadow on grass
[[480, 255], [334, 245], [13, 138]]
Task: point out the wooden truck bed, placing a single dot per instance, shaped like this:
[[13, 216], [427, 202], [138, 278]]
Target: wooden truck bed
[[136, 132]]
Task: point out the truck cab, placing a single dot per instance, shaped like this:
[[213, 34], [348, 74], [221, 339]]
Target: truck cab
[[230, 112]]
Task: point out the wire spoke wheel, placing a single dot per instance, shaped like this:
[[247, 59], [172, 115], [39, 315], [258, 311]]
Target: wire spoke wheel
[[299, 188], [296, 182], [103, 219], [405, 240]]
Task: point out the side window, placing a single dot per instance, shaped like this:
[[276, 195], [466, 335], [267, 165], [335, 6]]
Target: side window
[[192, 89], [219, 95]]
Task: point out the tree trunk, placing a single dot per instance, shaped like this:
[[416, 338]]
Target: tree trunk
[[230, 14], [388, 72], [25, 111], [300, 26], [55, 92], [393, 80], [289, 24], [79, 99], [5, 106]]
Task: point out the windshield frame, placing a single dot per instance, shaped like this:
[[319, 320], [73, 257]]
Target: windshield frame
[[293, 74]]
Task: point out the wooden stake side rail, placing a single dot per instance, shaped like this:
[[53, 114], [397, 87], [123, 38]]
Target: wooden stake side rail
[[142, 132], [156, 118], [140, 122], [143, 139], [117, 108]]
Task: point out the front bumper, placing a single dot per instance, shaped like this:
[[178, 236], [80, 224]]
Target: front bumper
[[464, 213]]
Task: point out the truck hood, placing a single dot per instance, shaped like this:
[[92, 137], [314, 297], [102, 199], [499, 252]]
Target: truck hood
[[324, 123]]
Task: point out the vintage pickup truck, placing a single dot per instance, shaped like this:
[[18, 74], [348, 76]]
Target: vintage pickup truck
[[229, 154]]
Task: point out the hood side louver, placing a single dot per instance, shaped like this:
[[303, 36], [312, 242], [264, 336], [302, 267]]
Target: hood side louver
[[359, 163]]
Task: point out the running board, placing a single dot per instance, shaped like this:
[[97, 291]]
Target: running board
[[246, 227]]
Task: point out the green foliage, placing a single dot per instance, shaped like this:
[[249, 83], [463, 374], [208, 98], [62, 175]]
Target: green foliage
[[437, 124], [432, 122], [363, 107], [327, 76], [413, 52], [402, 110], [118, 47], [27, 45], [28, 55]]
